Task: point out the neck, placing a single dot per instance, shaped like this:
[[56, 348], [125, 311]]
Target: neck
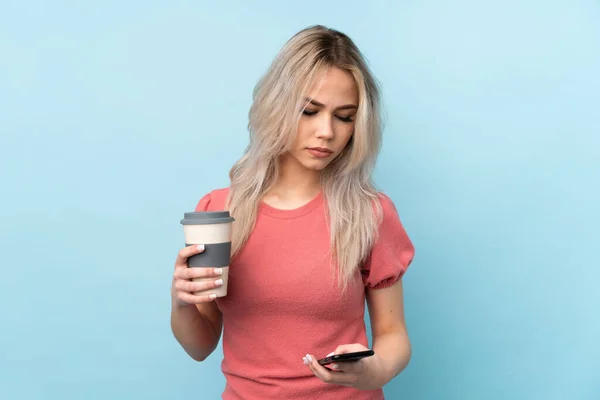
[[295, 181]]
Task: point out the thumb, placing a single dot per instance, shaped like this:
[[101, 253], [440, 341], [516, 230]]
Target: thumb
[[349, 348]]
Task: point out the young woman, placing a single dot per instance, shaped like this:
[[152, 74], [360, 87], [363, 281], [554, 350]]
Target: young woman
[[312, 242]]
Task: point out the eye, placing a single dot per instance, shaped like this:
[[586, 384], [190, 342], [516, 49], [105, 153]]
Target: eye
[[308, 112], [345, 119]]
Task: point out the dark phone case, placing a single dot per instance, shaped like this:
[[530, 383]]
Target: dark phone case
[[349, 357]]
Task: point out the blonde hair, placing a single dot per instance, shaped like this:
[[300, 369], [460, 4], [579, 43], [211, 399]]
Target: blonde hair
[[353, 209]]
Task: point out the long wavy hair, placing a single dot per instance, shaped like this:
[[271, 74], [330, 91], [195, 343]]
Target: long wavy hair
[[353, 208]]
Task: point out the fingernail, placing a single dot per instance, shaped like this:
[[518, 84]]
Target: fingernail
[[330, 354], [218, 271], [309, 358], [212, 296], [335, 366], [305, 360], [200, 247], [219, 282]]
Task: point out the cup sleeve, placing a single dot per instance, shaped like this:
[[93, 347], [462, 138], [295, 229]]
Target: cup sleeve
[[392, 252]]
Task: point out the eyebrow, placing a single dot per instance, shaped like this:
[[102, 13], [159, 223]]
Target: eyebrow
[[344, 107]]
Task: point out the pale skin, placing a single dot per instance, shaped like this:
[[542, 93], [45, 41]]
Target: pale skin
[[324, 130]]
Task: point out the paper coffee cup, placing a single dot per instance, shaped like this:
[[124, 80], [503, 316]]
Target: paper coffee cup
[[213, 230]]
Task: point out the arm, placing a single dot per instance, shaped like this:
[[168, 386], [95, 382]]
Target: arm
[[390, 337], [197, 328], [390, 343], [382, 275], [196, 321]]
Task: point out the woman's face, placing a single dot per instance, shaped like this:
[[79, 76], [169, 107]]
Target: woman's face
[[327, 123]]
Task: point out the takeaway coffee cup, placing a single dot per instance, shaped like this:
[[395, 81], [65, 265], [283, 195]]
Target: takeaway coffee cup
[[213, 230]]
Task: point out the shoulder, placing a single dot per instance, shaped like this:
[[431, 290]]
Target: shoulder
[[387, 207], [385, 200], [390, 223], [215, 200]]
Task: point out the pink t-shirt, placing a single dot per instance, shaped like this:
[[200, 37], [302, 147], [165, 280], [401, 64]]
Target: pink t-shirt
[[282, 302]]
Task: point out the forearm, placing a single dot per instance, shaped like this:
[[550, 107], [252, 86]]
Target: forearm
[[393, 350], [193, 331]]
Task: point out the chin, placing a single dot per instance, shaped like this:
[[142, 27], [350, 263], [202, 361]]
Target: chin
[[309, 163], [316, 165]]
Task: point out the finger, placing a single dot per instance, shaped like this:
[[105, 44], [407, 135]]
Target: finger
[[349, 348], [196, 299], [339, 378], [189, 273], [198, 286], [325, 375], [330, 366], [331, 377], [187, 252], [354, 367]]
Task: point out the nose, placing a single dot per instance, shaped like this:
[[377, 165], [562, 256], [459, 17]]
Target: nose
[[325, 128]]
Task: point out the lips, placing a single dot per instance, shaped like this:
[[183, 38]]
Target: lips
[[320, 152]]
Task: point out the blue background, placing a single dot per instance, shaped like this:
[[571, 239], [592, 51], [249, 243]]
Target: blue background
[[116, 117]]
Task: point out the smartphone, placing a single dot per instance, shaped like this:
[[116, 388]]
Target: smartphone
[[348, 357]]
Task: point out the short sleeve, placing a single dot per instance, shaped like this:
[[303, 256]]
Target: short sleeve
[[204, 203], [391, 254], [215, 200]]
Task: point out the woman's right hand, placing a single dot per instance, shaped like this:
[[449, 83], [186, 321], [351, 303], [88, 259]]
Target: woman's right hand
[[184, 288]]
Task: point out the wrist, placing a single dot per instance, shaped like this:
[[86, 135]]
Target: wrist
[[382, 370], [378, 373], [392, 354], [177, 304]]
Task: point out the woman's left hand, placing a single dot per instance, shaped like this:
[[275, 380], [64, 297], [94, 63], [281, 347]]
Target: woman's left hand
[[359, 374]]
